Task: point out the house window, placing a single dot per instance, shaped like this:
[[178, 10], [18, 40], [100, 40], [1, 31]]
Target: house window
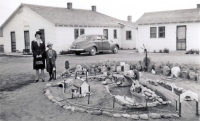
[[161, 32], [76, 33], [115, 34], [82, 31], [128, 35], [153, 32]]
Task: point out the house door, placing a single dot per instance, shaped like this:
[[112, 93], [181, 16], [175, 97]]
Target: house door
[[13, 42], [105, 33], [27, 40], [43, 35], [181, 38]]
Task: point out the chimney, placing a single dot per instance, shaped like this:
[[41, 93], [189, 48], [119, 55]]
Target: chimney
[[94, 8], [129, 18], [198, 5], [69, 5]]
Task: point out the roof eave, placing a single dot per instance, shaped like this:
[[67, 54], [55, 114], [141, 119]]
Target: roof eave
[[169, 22]]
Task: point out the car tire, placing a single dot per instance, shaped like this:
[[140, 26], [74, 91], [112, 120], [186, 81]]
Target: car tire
[[93, 51], [77, 53], [115, 49]]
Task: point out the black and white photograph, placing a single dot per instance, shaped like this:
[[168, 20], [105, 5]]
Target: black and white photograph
[[99, 60]]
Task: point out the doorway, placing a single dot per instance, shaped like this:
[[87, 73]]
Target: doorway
[[13, 42], [42, 35], [27, 40], [181, 38]]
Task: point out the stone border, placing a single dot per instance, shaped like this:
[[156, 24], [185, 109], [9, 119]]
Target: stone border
[[95, 111]]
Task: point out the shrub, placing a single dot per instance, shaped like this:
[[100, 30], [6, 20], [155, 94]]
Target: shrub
[[154, 51], [65, 52], [192, 51], [197, 51], [165, 50], [160, 51]]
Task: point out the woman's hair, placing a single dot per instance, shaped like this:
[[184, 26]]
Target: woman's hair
[[38, 32]]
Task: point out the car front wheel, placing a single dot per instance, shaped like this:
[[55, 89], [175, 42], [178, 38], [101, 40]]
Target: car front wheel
[[93, 51], [115, 49]]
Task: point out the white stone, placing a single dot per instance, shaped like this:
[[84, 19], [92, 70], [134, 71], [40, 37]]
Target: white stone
[[126, 115], [175, 71], [135, 117]]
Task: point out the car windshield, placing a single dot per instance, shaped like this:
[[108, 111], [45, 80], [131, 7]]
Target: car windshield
[[83, 37]]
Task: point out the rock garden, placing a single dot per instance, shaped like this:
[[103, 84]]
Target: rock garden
[[122, 88]]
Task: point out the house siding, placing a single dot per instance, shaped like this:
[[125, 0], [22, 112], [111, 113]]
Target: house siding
[[30, 21], [1, 40], [128, 43], [192, 37]]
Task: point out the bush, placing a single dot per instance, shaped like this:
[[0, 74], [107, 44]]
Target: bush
[[192, 51], [165, 50], [65, 52], [154, 51], [160, 51]]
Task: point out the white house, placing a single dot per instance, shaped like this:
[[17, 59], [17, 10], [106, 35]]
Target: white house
[[81, 87], [61, 26], [175, 30]]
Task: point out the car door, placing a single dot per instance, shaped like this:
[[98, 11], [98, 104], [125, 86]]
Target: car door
[[98, 42], [106, 43]]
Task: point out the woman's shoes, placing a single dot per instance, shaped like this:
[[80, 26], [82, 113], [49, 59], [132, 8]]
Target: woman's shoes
[[36, 80]]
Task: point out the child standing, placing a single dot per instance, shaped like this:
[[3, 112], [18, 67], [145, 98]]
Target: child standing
[[51, 57]]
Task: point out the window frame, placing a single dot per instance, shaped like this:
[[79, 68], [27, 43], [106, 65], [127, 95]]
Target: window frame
[[161, 32], [115, 34], [153, 33], [127, 34], [75, 34]]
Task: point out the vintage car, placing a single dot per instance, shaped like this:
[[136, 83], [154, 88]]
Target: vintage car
[[93, 44]]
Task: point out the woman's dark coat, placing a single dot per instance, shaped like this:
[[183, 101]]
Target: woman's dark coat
[[38, 50]]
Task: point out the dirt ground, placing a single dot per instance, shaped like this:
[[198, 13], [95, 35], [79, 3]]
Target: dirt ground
[[22, 100]]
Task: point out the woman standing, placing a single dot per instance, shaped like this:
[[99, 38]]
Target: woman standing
[[38, 49]]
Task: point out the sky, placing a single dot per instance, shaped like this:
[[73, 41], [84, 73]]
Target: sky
[[119, 9]]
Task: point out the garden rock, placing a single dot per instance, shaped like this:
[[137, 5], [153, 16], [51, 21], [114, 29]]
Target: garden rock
[[154, 115], [79, 109], [106, 113], [158, 68], [175, 71], [175, 115], [166, 116], [192, 75], [144, 117], [166, 70], [96, 112], [135, 117], [117, 115], [126, 115], [184, 74]]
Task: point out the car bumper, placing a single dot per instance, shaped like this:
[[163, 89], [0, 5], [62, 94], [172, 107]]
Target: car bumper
[[78, 50]]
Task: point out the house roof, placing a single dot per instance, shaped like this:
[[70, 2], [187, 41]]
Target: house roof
[[173, 16], [78, 82], [75, 17]]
